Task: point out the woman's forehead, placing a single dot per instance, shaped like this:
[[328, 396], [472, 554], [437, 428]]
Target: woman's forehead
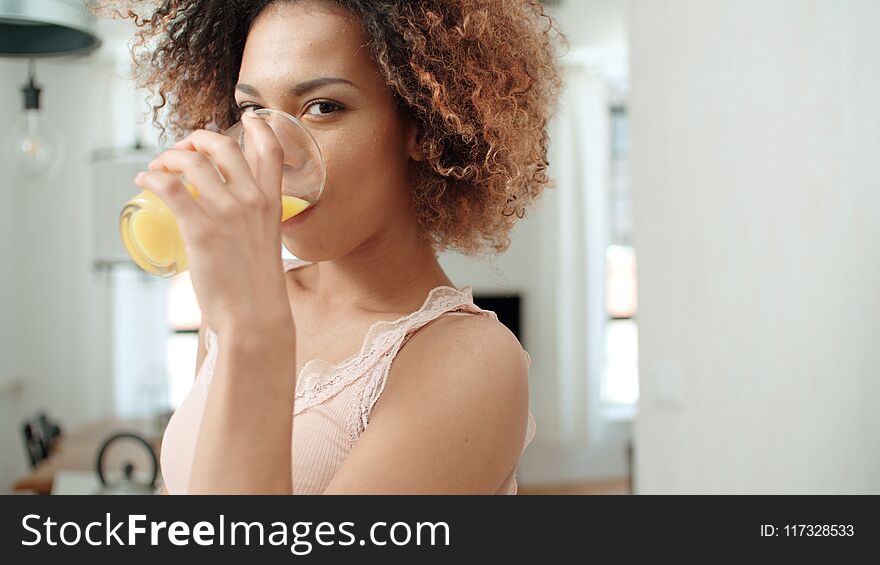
[[301, 41]]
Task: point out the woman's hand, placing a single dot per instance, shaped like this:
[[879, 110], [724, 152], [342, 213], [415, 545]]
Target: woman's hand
[[232, 231]]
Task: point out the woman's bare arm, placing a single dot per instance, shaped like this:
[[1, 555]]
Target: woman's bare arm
[[244, 441]]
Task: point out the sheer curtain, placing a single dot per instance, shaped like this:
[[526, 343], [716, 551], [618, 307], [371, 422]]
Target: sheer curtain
[[580, 166]]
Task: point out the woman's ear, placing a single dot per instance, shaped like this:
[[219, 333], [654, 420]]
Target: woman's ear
[[413, 141]]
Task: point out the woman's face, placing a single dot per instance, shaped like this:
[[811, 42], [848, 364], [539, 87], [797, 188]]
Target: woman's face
[[367, 147]]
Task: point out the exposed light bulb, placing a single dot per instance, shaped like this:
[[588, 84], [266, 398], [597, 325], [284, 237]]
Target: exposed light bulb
[[31, 144]]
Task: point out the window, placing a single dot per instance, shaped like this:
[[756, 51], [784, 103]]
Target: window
[[621, 384]]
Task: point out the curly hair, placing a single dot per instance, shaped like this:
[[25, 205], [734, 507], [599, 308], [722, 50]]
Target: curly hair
[[480, 77]]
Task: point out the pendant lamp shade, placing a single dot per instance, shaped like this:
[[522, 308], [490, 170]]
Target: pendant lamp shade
[[46, 28]]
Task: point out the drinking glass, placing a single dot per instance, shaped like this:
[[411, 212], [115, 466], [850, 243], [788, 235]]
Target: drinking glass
[[150, 231]]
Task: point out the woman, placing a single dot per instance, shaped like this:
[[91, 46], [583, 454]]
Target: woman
[[432, 119]]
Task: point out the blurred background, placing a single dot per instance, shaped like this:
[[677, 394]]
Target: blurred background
[[699, 293]]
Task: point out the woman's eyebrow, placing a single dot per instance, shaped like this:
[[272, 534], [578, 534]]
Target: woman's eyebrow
[[300, 89]]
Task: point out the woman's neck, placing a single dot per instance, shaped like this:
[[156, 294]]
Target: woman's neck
[[388, 272]]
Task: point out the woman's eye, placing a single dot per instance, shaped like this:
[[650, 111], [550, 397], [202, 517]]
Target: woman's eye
[[325, 107], [243, 107]]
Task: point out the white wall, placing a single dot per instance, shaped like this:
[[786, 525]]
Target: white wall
[[756, 130]]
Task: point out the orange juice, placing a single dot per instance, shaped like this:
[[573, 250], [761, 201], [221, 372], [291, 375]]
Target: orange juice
[[291, 206], [151, 234]]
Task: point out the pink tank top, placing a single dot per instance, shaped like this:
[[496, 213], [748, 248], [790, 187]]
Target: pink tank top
[[333, 402]]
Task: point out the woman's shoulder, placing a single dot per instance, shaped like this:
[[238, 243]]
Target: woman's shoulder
[[467, 325], [459, 385], [468, 351], [469, 372]]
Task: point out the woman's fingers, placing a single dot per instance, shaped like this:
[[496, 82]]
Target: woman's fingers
[[170, 189], [214, 195], [268, 155], [252, 178], [226, 155]]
